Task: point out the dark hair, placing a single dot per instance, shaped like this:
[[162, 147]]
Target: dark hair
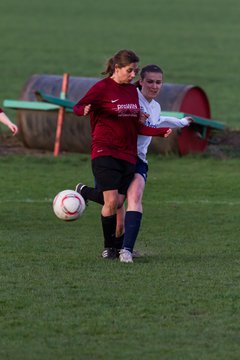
[[147, 69], [150, 68], [122, 58]]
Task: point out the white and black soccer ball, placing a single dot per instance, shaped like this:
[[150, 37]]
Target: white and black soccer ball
[[68, 205]]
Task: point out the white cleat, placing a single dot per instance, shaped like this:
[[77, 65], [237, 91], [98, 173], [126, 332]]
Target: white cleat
[[125, 256]]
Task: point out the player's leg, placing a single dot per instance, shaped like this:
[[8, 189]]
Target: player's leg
[[90, 193], [135, 193], [108, 174], [133, 215], [120, 227], [109, 222]]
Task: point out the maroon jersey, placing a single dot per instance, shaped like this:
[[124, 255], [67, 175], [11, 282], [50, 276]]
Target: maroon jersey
[[1, 110], [114, 117]]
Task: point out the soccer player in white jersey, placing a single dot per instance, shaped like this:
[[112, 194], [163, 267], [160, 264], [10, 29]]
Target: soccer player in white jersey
[[149, 86]]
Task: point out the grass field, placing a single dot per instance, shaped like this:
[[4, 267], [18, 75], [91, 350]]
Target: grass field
[[181, 300], [60, 300]]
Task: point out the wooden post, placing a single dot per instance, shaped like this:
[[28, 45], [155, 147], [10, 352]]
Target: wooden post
[[61, 112]]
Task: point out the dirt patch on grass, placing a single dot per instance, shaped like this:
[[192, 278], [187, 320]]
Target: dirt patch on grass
[[13, 145]]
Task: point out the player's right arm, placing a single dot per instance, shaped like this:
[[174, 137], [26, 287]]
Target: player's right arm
[[81, 110], [89, 102]]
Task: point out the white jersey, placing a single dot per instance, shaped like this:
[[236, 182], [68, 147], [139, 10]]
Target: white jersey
[[153, 109]]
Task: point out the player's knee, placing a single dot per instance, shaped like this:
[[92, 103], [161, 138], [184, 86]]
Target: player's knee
[[111, 205], [136, 199]]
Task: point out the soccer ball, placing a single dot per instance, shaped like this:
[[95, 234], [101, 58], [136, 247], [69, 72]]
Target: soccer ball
[[68, 205]]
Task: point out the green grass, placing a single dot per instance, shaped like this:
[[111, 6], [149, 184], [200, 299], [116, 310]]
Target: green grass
[[60, 300], [194, 42]]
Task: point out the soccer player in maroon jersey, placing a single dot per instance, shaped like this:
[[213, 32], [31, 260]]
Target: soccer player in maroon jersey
[[6, 121], [114, 110]]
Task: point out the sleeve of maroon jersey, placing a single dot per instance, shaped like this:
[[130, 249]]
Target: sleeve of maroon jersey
[[151, 131], [92, 98], [1, 110]]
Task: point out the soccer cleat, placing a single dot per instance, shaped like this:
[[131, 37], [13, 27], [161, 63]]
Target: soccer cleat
[[125, 256], [135, 253], [109, 253], [79, 188]]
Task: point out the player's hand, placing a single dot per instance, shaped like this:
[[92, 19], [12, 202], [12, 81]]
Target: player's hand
[[13, 128], [143, 117], [189, 119], [87, 109], [169, 131]]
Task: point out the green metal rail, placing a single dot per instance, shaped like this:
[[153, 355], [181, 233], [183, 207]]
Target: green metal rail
[[29, 105], [49, 103]]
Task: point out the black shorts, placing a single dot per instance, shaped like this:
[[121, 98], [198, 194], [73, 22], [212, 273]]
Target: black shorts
[[112, 174]]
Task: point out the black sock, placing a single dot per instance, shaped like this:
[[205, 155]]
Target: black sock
[[90, 193], [132, 226], [109, 229], [119, 241]]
